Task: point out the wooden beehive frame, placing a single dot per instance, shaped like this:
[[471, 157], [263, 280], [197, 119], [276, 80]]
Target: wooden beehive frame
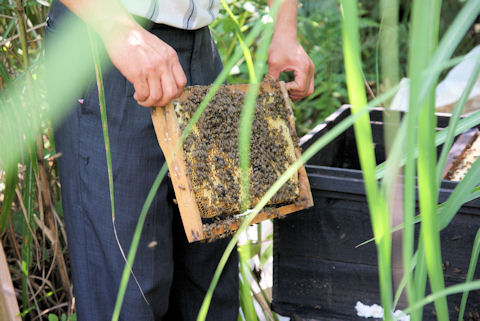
[[459, 150], [168, 134]]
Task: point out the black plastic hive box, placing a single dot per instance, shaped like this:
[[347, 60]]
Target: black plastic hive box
[[319, 273]]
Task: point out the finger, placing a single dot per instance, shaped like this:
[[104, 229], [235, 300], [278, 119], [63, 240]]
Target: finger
[[311, 79], [311, 87], [273, 70], [180, 78], [142, 90], [169, 88], [301, 85], [156, 92], [294, 98]]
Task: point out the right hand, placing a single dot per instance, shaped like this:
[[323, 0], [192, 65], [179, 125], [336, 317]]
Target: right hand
[[151, 65]]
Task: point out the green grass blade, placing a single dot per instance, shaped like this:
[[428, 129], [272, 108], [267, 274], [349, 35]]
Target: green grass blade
[[27, 251], [267, 253], [246, 300], [422, 45], [464, 124], [239, 34], [420, 278], [4, 73], [135, 241], [454, 118], [460, 195], [249, 107], [407, 130], [309, 153], [103, 115], [65, 48], [403, 282], [458, 288], [268, 313], [148, 201], [219, 81], [389, 62], [357, 96], [450, 40], [11, 174], [244, 135], [470, 273], [444, 66], [444, 217]]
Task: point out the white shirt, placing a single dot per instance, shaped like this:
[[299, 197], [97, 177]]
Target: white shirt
[[183, 14]]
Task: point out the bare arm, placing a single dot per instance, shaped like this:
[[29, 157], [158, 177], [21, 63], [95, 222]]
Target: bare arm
[[146, 61], [286, 54]]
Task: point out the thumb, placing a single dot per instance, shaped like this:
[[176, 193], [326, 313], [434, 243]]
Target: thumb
[[274, 72], [298, 84], [292, 85]]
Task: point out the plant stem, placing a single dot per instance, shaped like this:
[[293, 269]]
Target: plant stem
[[380, 219], [423, 44]]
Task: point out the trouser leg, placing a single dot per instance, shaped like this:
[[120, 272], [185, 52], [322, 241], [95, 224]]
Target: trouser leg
[[95, 257], [195, 263]]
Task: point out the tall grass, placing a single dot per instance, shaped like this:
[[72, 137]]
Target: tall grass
[[30, 216], [419, 135], [413, 146]]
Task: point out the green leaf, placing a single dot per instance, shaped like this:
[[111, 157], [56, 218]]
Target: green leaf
[[454, 118], [379, 215], [266, 254], [10, 178], [367, 23], [246, 300], [470, 273], [249, 250], [52, 317]]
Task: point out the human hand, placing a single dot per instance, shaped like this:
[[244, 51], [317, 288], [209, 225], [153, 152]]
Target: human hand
[[286, 55], [146, 61], [151, 65]]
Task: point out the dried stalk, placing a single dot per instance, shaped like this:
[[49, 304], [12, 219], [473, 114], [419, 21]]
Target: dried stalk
[[24, 210]]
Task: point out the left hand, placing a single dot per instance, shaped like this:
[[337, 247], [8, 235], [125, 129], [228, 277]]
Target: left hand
[[290, 56]]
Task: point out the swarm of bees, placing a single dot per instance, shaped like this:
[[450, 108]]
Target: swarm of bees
[[211, 149]]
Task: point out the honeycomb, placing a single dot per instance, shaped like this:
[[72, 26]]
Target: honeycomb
[[211, 149]]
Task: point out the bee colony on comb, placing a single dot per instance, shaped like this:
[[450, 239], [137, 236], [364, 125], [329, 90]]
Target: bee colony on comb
[[205, 173]]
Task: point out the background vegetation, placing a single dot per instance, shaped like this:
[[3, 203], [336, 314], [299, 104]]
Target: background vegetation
[[31, 215]]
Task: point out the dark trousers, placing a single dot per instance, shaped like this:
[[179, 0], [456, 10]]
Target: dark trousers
[[173, 274]]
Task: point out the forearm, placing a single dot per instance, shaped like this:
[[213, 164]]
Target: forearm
[[106, 17], [151, 65], [286, 22], [286, 53]]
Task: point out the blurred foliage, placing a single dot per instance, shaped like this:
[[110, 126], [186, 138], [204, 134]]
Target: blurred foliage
[[33, 236], [319, 31]]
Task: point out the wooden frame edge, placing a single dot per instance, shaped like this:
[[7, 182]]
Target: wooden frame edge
[[168, 135], [305, 199]]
